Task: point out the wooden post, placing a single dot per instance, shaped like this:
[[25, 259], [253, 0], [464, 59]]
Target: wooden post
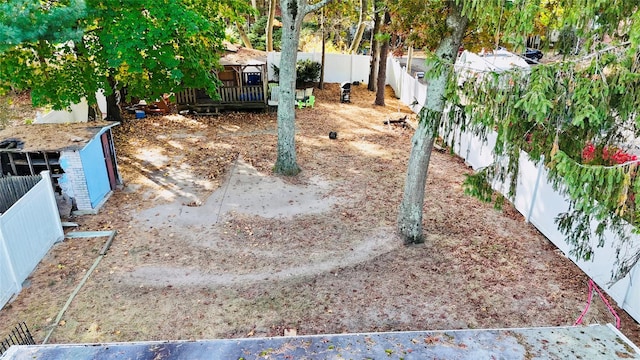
[[409, 59], [46, 161], [13, 164], [321, 83], [265, 85], [30, 163]]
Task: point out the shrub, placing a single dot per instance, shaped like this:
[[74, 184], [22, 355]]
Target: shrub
[[307, 73], [567, 41]]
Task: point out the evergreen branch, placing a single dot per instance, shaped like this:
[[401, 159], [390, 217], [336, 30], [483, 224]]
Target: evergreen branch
[[607, 167]]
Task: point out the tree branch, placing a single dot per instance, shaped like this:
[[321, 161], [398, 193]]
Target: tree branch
[[307, 8]]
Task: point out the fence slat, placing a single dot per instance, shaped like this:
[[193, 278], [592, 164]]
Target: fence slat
[[12, 188]]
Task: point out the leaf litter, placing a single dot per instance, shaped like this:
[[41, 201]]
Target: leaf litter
[[479, 268]]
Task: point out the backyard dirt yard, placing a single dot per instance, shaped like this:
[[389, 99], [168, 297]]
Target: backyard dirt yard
[[211, 244]]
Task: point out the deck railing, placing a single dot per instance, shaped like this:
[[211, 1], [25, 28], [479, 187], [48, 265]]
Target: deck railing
[[235, 94], [228, 95]]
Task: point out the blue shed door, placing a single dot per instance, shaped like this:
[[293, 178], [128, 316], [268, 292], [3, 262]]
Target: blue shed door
[[95, 171]]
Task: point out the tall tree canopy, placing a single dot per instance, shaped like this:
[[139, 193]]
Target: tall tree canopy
[[65, 50], [576, 115]]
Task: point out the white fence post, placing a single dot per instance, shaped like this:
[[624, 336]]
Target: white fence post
[[535, 188], [52, 203]]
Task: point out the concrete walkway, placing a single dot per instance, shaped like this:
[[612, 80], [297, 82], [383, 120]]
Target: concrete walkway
[[592, 342], [249, 192]]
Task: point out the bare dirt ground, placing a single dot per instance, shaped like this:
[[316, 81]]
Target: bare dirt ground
[[211, 245]]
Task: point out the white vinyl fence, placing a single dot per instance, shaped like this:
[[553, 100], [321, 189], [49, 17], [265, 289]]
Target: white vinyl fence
[[338, 68], [28, 229], [536, 199]]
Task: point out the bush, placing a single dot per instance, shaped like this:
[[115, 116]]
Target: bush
[[567, 41], [307, 73]]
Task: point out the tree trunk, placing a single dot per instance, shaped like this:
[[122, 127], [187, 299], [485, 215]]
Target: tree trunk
[[286, 162], [269, 29], [293, 11], [409, 59], [113, 107], [321, 82], [410, 212], [243, 36], [375, 49], [382, 66], [254, 5], [355, 44]]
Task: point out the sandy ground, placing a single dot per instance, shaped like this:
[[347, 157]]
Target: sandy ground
[[211, 244]]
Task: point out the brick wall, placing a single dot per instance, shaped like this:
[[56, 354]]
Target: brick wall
[[73, 182]]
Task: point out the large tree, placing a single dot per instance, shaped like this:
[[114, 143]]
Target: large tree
[[410, 212], [575, 115], [378, 8], [271, 16], [384, 39], [293, 12], [357, 37], [149, 47]]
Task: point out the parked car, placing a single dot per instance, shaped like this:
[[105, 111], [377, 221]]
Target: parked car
[[532, 56]]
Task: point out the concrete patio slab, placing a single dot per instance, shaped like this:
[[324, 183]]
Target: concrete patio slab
[[589, 342]]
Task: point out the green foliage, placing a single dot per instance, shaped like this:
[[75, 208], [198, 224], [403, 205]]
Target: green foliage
[[151, 47], [478, 186], [567, 41], [557, 108], [307, 72], [419, 23], [339, 18], [257, 34], [27, 21], [552, 114], [232, 35], [382, 37], [149, 58]]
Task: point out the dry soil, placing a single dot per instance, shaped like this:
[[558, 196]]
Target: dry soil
[[211, 244]]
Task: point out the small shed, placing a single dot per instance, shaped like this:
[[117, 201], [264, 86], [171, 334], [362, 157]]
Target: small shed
[[80, 158], [243, 84]]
